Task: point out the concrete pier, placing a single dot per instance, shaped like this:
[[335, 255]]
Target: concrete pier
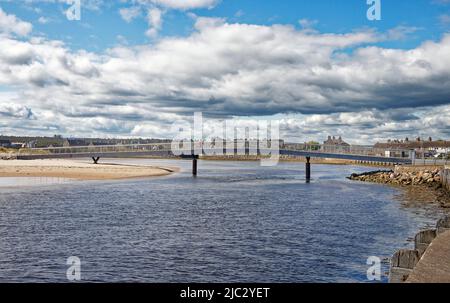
[[194, 166], [308, 169]]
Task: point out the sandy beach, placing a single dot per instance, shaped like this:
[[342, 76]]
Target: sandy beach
[[79, 169]]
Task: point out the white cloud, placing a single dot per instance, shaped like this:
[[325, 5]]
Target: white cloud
[[43, 20], [307, 23], [129, 14], [154, 19], [10, 24], [156, 8], [225, 70]]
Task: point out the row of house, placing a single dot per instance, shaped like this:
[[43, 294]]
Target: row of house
[[397, 148], [8, 144], [428, 147]]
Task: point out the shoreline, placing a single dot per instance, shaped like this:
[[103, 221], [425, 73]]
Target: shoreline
[[420, 180], [80, 170], [428, 260]]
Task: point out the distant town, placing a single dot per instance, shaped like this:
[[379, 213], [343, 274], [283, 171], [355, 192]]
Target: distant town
[[427, 148], [17, 142]]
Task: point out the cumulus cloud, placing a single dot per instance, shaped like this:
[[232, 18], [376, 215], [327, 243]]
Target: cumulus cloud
[[317, 83], [10, 24], [15, 111]]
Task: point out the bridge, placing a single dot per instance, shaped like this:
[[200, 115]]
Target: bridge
[[359, 154]]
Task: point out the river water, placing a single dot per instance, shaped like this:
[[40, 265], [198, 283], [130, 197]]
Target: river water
[[235, 222]]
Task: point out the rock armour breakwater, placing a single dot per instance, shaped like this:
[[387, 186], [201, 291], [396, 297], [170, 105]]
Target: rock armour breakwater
[[430, 178], [435, 180]]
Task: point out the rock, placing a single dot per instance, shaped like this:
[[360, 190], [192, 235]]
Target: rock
[[402, 177], [426, 176]]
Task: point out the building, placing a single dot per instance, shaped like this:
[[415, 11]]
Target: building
[[335, 142], [428, 147], [31, 144], [5, 143], [18, 145]]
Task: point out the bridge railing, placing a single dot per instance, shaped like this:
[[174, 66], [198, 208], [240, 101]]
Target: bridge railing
[[95, 149], [359, 150]]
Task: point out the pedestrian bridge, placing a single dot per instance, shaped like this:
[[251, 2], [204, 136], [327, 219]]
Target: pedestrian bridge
[[361, 154]]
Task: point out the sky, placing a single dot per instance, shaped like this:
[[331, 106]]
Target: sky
[[131, 68]]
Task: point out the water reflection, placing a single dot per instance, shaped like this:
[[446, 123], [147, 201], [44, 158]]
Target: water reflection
[[8, 182]]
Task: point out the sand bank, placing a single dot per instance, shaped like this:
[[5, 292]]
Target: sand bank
[[79, 169]]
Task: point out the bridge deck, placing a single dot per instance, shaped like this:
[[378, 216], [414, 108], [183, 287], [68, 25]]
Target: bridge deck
[[166, 153], [345, 156]]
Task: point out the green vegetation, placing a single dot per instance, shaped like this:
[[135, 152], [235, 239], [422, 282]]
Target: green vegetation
[[313, 145], [28, 151]]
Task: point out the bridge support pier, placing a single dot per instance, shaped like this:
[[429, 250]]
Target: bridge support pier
[[194, 166], [308, 169], [95, 159]]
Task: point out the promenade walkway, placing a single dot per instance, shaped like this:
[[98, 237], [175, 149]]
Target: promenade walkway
[[434, 266]]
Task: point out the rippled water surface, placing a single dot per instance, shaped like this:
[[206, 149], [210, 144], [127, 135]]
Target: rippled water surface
[[236, 222]]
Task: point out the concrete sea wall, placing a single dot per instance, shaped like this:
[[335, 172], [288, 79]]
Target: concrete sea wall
[[432, 263], [445, 177]]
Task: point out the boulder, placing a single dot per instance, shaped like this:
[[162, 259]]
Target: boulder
[[426, 176]]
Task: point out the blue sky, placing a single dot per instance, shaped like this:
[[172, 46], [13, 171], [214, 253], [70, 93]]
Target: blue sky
[[130, 68], [100, 27]]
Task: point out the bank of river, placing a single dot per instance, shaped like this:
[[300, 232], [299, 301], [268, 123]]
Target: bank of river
[[426, 180], [79, 169], [235, 222], [428, 261]]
